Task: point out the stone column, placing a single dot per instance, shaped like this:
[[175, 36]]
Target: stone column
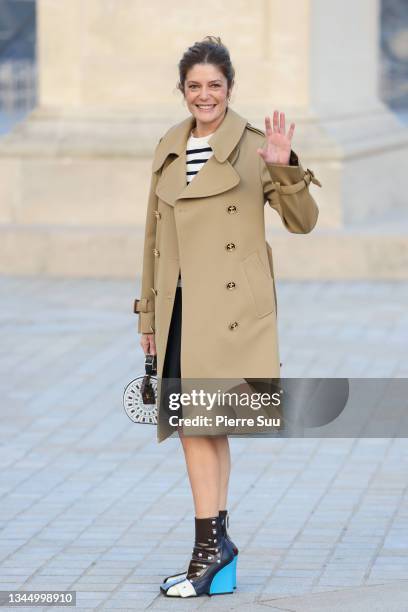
[[74, 176]]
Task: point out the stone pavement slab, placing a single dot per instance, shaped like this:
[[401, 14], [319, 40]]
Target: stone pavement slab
[[392, 597], [90, 502]]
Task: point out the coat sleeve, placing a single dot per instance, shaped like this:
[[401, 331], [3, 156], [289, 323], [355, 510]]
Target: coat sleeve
[[145, 305], [286, 188]]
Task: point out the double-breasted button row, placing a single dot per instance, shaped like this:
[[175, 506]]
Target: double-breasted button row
[[229, 247]]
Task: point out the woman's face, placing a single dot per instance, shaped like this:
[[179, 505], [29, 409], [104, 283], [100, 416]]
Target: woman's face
[[206, 93]]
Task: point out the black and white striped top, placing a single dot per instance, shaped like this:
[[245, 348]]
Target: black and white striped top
[[198, 152]]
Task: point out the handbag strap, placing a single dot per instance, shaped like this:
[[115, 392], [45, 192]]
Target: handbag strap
[[151, 364]]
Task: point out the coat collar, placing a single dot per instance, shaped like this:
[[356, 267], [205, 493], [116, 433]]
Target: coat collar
[[217, 174]]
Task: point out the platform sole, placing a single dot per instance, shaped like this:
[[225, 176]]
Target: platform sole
[[181, 576]]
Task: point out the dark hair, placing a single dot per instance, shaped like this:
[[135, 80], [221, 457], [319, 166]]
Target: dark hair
[[209, 50]]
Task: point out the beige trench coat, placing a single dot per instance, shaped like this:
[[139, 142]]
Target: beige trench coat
[[213, 231]]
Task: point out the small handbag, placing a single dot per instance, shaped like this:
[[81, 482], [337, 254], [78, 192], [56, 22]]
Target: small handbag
[[140, 395]]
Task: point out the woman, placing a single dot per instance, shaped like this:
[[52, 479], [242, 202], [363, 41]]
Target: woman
[[208, 304]]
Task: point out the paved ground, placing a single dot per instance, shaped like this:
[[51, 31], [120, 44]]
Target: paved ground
[[90, 502]]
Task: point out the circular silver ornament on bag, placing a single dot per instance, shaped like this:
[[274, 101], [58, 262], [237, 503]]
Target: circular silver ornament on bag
[[140, 395]]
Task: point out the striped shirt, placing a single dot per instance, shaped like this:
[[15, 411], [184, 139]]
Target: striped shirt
[[198, 152]]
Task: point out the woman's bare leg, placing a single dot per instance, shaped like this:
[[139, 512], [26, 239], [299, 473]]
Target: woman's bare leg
[[203, 472], [208, 467], [224, 463]]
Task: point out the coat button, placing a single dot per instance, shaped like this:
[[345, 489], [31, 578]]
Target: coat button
[[230, 246], [154, 290], [156, 252], [233, 325], [230, 285], [232, 209], [157, 214]]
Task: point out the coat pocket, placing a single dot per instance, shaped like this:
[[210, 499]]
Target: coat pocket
[[260, 284]]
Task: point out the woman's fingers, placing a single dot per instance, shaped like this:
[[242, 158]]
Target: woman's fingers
[[268, 128], [282, 129], [279, 125], [152, 345], [148, 344], [275, 121]]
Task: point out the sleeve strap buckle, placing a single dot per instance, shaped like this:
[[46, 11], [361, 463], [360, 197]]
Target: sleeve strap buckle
[[140, 305], [311, 177]]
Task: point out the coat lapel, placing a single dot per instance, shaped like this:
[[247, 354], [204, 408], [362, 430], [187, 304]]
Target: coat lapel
[[216, 176]]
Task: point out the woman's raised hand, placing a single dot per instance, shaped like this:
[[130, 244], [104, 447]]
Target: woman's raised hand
[[278, 144]]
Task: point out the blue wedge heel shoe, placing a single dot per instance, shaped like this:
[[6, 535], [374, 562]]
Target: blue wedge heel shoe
[[234, 571], [224, 518], [224, 523], [223, 581], [211, 570]]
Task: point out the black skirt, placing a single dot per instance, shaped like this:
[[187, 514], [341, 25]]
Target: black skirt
[[171, 375], [171, 366]]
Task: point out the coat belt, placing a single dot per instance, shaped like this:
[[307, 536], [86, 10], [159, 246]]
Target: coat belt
[[290, 189]]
